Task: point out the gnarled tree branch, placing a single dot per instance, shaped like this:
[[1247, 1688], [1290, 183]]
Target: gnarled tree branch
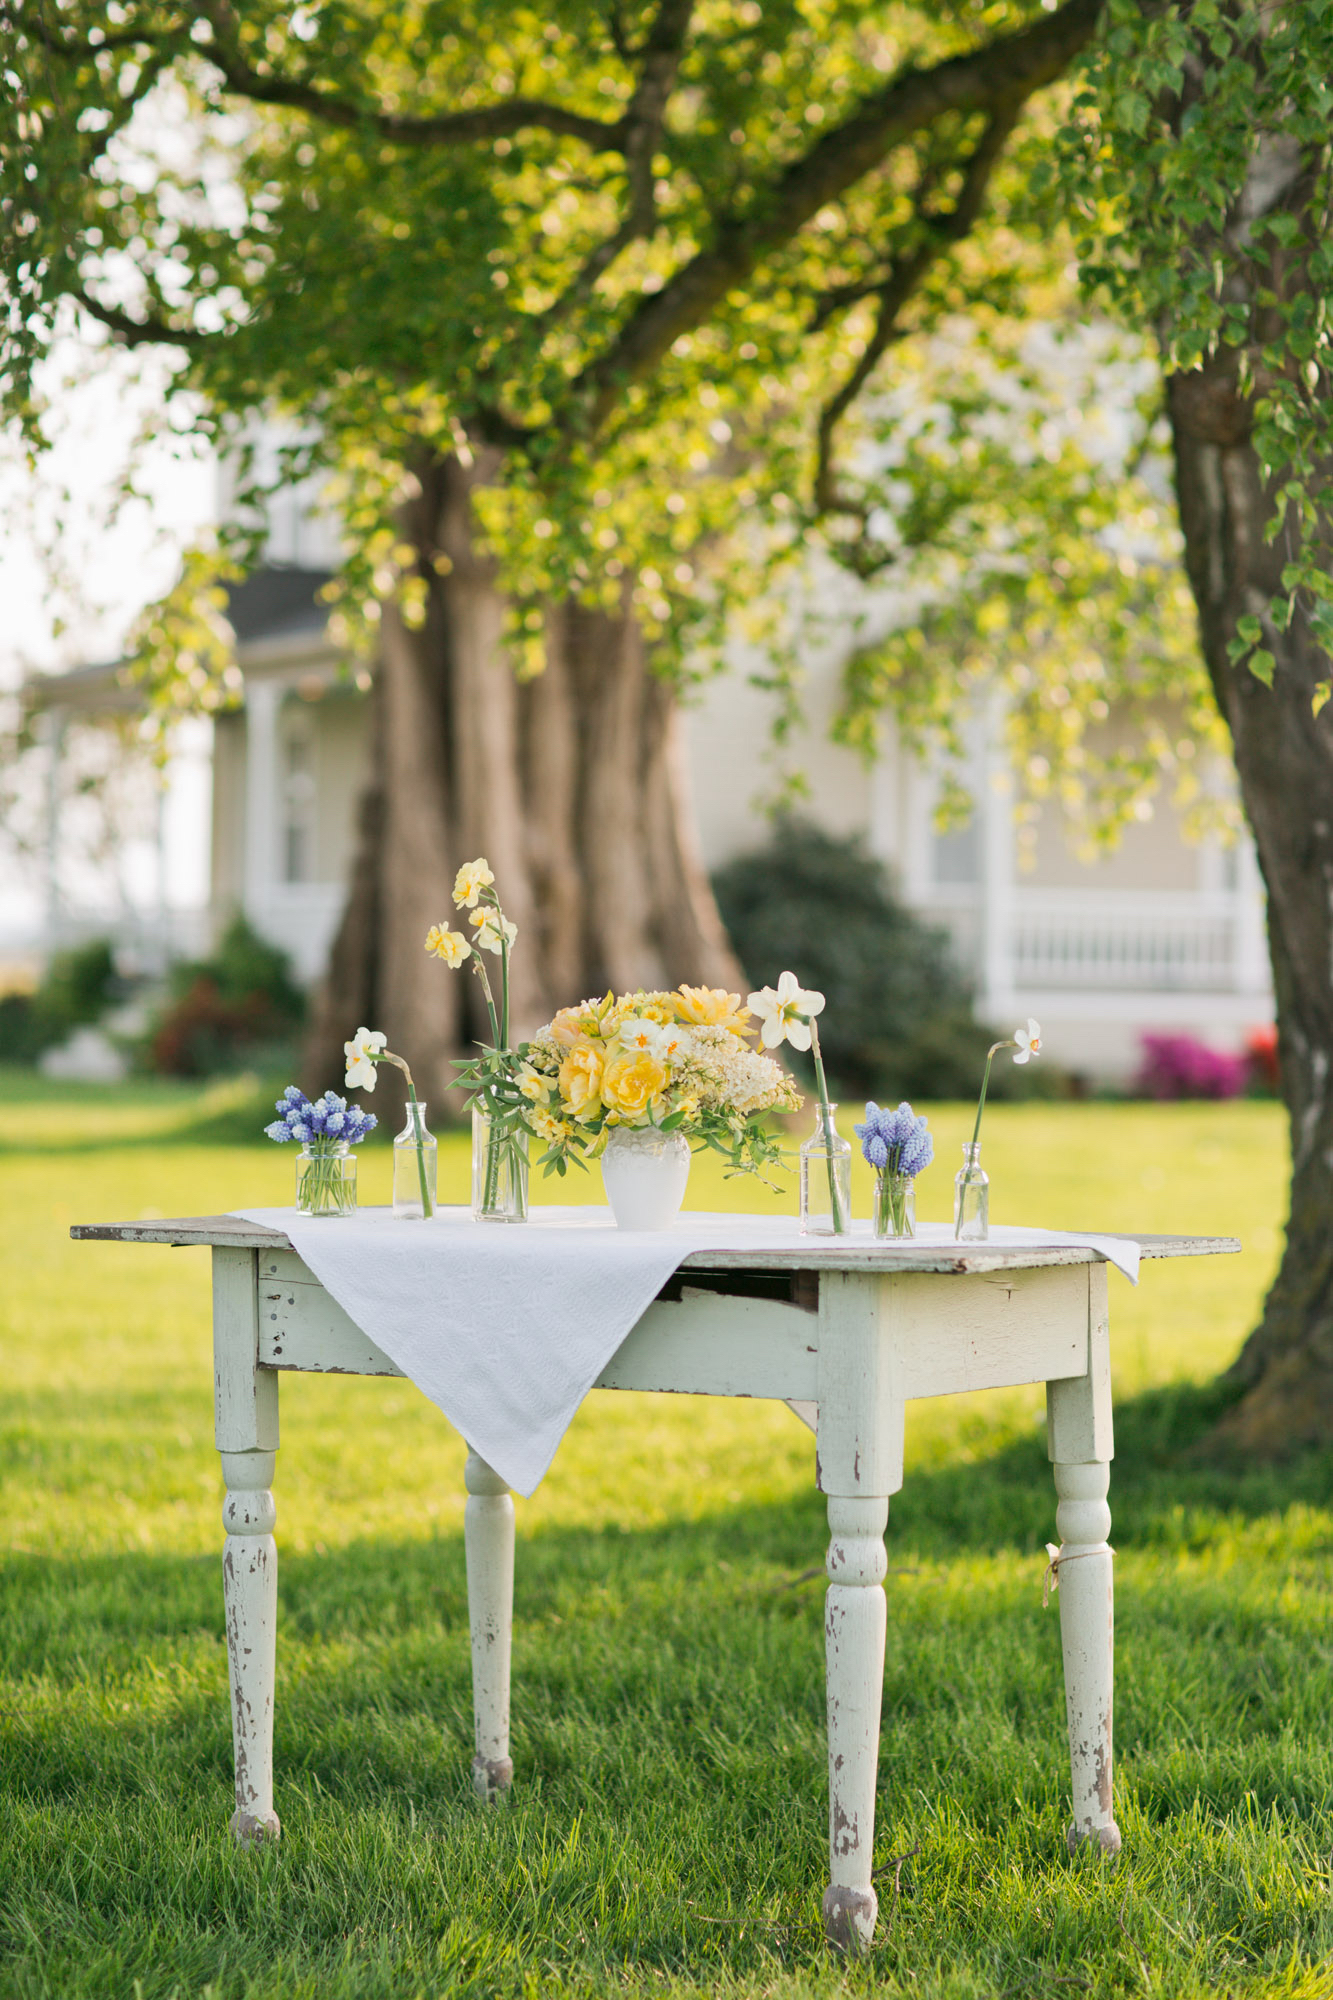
[[487, 121], [1004, 72], [899, 285]]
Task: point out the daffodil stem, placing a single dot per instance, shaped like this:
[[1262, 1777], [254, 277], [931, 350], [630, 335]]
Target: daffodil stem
[[991, 1054], [426, 1208], [835, 1203], [504, 982]]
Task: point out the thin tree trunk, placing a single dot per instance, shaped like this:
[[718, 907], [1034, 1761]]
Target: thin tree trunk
[[572, 785], [1284, 760]]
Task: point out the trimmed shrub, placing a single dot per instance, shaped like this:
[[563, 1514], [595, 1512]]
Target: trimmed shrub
[[899, 1019], [229, 1011], [79, 986]]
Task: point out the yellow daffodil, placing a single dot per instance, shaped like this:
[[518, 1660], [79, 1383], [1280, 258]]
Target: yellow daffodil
[[532, 1085], [449, 945], [494, 932], [712, 1007], [471, 879]]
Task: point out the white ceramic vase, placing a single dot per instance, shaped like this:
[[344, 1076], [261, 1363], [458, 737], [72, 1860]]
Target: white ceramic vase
[[644, 1173]]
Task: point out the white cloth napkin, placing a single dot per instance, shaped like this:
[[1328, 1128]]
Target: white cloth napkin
[[507, 1326]]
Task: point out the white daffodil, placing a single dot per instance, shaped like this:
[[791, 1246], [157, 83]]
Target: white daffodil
[[1027, 1041], [494, 932], [360, 1053], [786, 1012], [471, 879]]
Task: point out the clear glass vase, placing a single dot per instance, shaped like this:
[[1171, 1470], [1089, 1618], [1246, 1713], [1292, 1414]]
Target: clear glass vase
[[895, 1205], [326, 1178], [415, 1157], [826, 1177], [499, 1170], [971, 1197]]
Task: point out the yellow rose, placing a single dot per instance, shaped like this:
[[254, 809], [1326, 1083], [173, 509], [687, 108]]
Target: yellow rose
[[712, 1007], [581, 1081], [632, 1080]]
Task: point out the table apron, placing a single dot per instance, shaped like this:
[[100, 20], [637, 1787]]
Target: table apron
[[952, 1334]]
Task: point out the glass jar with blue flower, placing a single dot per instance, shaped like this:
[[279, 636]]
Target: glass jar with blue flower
[[898, 1145], [326, 1130]]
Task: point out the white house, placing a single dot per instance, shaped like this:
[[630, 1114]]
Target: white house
[[1162, 936]]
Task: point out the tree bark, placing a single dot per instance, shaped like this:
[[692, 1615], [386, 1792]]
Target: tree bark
[[572, 785], [1284, 761]]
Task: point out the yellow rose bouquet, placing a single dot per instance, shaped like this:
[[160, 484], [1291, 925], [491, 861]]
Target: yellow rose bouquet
[[680, 1062]]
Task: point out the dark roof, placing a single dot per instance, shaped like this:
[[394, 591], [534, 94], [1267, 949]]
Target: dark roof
[[281, 602], [277, 603]]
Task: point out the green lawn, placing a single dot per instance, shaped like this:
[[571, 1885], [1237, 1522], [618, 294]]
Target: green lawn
[[667, 1830]]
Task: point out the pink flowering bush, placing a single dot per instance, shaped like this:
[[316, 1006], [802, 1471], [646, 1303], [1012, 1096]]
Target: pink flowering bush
[[1180, 1066]]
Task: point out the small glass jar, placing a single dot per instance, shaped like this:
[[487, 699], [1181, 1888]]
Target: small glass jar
[[415, 1157], [971, 1197], [499, 1170], [895, 1205], [326, 1178], [826, 1177]]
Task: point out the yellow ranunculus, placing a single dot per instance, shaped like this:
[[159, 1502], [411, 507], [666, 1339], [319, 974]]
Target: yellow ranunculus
[[632, 1080], [581, 1081], [712, 1007]]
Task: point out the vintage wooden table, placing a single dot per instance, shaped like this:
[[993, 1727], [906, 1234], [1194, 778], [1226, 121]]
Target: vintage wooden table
[[827, 1329]]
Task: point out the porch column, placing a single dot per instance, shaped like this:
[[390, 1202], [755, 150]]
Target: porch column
[[262, 699], [995, 810]]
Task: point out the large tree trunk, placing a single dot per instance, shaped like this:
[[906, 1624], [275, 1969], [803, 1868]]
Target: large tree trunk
[[572, 785], [1284, 759]]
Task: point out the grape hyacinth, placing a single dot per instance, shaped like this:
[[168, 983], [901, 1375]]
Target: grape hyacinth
[[898, 1145], [326, 1127]]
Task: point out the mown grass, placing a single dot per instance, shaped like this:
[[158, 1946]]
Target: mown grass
[[667, 1829]]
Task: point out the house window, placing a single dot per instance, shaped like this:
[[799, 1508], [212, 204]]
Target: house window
[[298, 805], [955, 857]]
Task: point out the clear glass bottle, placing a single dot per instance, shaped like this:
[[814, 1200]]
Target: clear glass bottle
[[826, 1178], [971, 1197], [895, 1205], [326, 1178], [499, 1171], [415, 1157]]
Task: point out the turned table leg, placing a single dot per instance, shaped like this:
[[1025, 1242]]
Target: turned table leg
[[859, 1459], [1087, 1636], [246, 1428], [854, 1625], [1079, 1443], [488, 1534], [250, 1594]]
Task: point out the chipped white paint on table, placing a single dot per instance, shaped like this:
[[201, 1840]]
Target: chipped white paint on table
[[826, 1329]]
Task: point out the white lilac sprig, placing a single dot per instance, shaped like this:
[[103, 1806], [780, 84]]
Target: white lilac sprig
[[787, 1014], [366, 1048], [1026, 1043], [322, 1126], [898, 1145]]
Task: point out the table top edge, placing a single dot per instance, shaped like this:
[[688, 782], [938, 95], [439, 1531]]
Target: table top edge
[[232, 1233]]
